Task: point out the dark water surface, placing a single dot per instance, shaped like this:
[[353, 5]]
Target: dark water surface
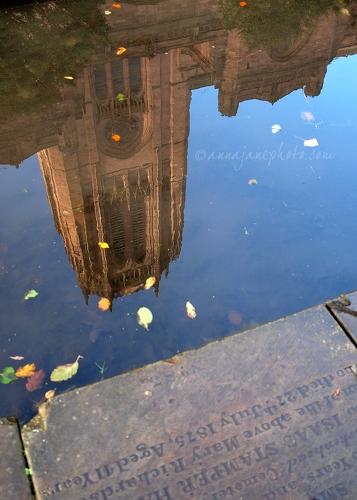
[[243, 253]]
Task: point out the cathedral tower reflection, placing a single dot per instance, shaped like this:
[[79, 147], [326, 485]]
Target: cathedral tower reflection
[[129, 193]]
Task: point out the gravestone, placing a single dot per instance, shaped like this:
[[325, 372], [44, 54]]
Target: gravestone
[[14, 483], [267, 414]]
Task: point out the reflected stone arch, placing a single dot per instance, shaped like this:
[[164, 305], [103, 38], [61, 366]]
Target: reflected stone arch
[[291, 49]]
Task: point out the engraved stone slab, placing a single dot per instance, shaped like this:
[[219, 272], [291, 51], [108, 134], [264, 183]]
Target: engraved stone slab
[[348, 321], [267, 414], [13, 480]]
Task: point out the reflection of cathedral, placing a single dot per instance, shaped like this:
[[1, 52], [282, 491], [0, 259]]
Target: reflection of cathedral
[[130, 192]]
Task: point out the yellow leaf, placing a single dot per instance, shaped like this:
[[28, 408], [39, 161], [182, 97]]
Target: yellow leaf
[[345, 11], [68, 77], [103, 244], [50, 394], [149, 282], [104, 304], [121, 51], [26, 371], [191, 311], [144, 317], [107, 12]]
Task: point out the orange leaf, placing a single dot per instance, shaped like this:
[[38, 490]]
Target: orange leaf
[[116, 137], [242, 4], [121, 50], [26, 371], [336, 393], [104, 304], [116, 5]]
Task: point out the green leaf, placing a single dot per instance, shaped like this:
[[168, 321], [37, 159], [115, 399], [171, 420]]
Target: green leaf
[[64, 372], [31, 294], [7, 375], [121, 97]]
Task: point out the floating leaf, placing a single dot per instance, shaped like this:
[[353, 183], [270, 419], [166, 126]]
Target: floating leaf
[[252, 181], [64, 372], [336, 393], [345, 11], [149, 282], [103, 244], [31, 294], [121, 97], [116, 5], [116, 137], [191, 311], [307, 116], [7, 375], [311, 143], [242, 4], [26, 371], [17, 358], [275, 128], [174, 360], [144, 317], [35, 381], [121, 51], [104, 304], [50, 394], [68, 77], [107, 12], [235, 317]]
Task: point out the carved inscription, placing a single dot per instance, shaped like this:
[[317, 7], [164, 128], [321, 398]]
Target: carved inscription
[[304, 432]]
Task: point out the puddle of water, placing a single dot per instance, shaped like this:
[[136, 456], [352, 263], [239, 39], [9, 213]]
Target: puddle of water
[[261, 227]]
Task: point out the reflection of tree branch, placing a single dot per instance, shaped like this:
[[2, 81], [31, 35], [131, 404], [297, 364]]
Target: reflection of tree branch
[[274, 23], [41, 44]]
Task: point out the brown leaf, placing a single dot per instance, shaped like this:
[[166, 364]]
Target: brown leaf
[[174, 360], [26, 371], [35, 382]]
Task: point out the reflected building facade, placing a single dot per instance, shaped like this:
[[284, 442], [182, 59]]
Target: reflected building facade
[[130, 192]]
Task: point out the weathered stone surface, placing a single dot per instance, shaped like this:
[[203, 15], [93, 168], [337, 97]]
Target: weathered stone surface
[[348, 321], [14, 484], [266, 414]]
